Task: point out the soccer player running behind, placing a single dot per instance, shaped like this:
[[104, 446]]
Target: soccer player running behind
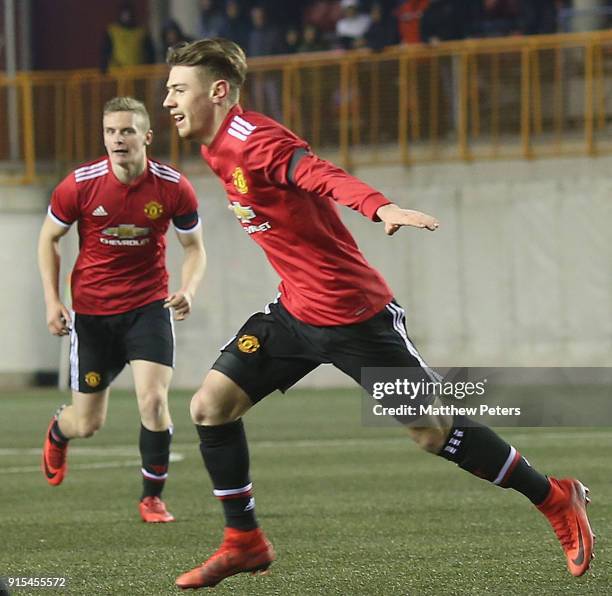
[[333, 308], [123, 205]]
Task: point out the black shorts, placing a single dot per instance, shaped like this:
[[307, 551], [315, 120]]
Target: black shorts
[[273, 350], [101, 345]]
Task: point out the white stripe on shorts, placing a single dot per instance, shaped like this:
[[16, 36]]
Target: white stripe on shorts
[[399, 324], [74, 355]]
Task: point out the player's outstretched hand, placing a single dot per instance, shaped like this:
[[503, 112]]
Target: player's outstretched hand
[[395, 217], [180, 302], [58, 319]]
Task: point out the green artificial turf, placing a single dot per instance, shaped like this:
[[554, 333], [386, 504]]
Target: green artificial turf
[[351, 510]]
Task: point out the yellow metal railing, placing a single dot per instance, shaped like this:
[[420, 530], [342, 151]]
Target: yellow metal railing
[[514, 97]]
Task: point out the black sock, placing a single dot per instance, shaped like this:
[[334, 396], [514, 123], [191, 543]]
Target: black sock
[[155, 454], [226, 457], [56, 436], [478, 450]]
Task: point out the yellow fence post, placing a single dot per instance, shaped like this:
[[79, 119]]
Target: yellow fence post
[[287, 73], [316, 108], [59, 122], [355, 103], [95, 114], [68, 123], [537, 92], [413, 103], [374, 105], [434, 101], [404, 109], [558, 99], [464, 151], [474, 96], [345, 125], [588, 100], [297, 101], [599, 83], [29, 148], [495, 97], [525, 103], [79, 121]]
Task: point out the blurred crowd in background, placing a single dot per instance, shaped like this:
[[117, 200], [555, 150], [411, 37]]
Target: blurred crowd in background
[[269, 27]]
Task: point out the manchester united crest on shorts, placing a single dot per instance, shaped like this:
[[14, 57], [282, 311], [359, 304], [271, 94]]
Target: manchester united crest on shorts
[[153, 210], [248, 344], [93, 378], [240, 182]]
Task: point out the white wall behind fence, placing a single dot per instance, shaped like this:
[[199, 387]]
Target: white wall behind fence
[[519, 272]]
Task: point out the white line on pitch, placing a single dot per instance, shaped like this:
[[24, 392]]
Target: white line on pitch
[[174, 457], [131, 451]]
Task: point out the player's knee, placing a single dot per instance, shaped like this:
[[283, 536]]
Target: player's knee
[[429, 439], [153, 406], [209, 410], [88, 427]]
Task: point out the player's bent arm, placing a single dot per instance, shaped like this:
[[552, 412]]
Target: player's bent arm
[[319, 176], [192, 272], [58, 317]]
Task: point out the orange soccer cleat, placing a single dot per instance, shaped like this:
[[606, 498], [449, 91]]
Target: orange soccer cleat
[[54, 464], [565, 508], [153, 511], [241, 551]]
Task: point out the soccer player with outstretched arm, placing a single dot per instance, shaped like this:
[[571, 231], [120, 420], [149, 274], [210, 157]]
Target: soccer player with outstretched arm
[[333, 307], [123, 205]]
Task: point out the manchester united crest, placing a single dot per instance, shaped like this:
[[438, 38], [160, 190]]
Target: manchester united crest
[[93, 378], [248, 344], [240, 182], [153, 210]]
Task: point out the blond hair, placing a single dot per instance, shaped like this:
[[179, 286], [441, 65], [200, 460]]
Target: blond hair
[[128, 104], [222, 58]]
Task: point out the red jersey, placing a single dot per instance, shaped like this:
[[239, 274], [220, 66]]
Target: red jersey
[[122, 246], [284, 197]]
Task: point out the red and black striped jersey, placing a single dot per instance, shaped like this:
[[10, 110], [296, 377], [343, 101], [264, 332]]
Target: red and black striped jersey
[[122, 245], [284, 197]]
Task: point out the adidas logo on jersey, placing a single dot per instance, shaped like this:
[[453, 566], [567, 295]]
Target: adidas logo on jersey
[[99, 211], [240, 128]]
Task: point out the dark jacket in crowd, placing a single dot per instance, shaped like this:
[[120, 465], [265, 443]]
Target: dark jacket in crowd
[[236, 29], [383, 30], [538, 16], [265, 41], [449, 20]]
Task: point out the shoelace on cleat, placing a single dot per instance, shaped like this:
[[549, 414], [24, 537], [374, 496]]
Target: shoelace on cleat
[[56, 456], [156, 506]]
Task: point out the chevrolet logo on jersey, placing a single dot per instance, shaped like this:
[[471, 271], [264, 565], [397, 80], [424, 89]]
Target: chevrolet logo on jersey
[[125, 235], [244, 214]]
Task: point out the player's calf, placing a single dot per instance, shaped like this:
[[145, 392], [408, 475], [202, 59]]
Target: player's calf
[[87, 427]]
